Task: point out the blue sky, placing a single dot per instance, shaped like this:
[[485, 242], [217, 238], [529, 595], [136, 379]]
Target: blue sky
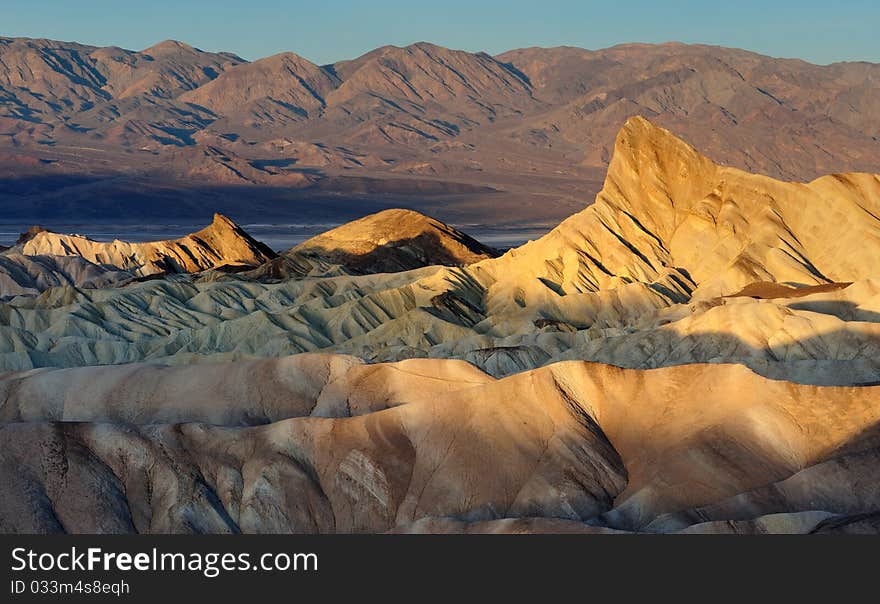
[[820, 32]]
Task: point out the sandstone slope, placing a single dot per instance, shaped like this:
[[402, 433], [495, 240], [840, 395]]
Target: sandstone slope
[[221, 243], [394, 240], [373, 448], [670, 217]]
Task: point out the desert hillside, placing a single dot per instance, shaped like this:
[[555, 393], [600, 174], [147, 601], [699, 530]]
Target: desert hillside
[[394, 240], [335, 445], [171, 130]]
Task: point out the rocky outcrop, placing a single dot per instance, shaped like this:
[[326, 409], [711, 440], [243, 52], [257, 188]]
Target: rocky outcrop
[[672, 220], [221, 243], [394, 240]]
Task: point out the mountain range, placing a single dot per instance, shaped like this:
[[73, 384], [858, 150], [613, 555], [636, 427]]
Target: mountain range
[[693, 345], [172, 131]]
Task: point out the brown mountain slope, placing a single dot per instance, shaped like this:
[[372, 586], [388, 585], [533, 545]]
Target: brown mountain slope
[[424, 72], [271, 91], [44, 78], [70, 78], [212, 164], [164, 70], [537, 125], [822, 118]]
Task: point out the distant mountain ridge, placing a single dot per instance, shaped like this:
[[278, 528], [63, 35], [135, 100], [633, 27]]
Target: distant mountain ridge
[[537, 123]]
